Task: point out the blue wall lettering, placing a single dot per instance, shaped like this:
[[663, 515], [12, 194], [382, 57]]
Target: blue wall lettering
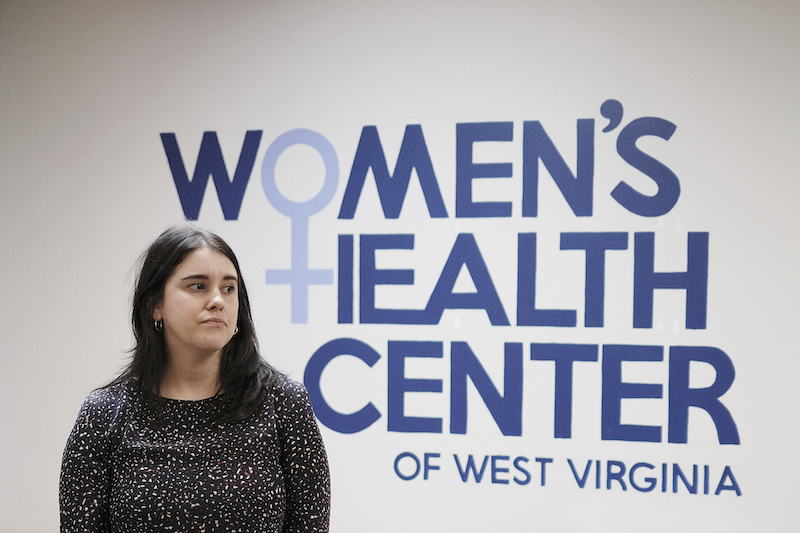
[[525, 480], [506, 409], [497, 469], [581, 480], [616, 470], [681, 397], [614, 390], [465, 253], [576, 189], [727, 475], [210, 163], [343, 423], [466, 170], [677, 473], [669, 188], [392, 188], [563, 355], [595, 246], [345, 279], [399, 385], [370, 276], [406, 455], [470, 467], [527, 313], [694, 280], [651, 481]]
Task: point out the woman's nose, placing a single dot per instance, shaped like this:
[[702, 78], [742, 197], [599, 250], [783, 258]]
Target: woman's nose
[[216, 302]]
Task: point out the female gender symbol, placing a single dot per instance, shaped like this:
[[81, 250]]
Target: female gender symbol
[[299, 276]]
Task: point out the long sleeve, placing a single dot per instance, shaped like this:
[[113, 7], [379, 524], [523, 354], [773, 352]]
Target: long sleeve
[[85, 470], [303, 461]]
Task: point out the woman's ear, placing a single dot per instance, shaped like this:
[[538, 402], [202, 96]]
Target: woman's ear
[[157, 313]]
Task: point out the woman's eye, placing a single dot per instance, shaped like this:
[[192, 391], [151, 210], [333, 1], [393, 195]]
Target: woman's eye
[[198, 286], [230, 289]]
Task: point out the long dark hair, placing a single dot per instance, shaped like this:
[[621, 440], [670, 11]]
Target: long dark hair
[[243, 374]]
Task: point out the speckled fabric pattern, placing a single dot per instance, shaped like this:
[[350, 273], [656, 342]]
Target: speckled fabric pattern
[[126, 469]]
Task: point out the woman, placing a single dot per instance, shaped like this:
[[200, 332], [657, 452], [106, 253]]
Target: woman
[[198, 433]]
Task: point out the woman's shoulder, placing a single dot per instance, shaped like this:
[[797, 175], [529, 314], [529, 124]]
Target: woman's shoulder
[[288, 394], [103, 410], [294, 413], [288, 386], [109, 401], [112, 394]]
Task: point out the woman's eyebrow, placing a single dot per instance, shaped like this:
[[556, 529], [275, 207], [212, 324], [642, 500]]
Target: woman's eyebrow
[[205, 277]]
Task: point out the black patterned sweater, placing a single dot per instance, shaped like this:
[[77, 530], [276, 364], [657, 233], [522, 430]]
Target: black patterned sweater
[[128, 467]]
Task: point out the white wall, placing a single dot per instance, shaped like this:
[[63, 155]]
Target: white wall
[[87, 87]]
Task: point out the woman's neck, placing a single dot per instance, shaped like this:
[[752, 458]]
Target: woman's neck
[[191, 380]]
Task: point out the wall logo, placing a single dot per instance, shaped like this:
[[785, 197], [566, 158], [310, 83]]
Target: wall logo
[[357, 263]]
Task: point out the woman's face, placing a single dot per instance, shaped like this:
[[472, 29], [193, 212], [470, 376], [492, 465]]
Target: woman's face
[[200, 305]]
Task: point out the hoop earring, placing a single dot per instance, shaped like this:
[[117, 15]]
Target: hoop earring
[[236, 330], [159, 325]]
